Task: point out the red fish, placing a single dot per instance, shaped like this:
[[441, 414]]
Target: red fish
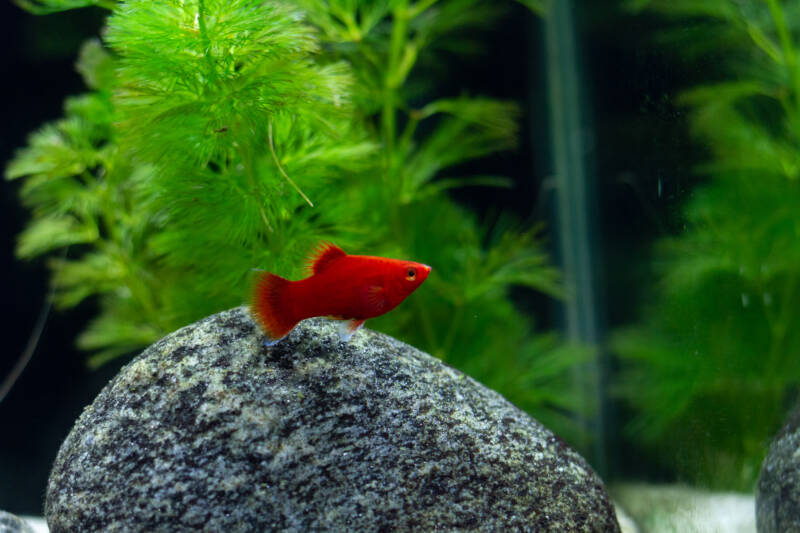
[[345, 287]]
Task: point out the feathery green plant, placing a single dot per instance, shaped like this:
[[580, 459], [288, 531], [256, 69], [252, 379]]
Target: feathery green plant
[[227, 135], [713, 368]]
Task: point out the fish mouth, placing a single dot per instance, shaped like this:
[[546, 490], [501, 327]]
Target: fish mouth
[[425, 270]]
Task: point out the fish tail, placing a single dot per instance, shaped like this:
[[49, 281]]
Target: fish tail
[[269, 306]]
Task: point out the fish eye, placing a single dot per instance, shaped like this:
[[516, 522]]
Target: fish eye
[[411, 274]]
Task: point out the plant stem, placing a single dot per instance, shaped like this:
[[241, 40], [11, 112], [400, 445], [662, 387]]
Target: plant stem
[[107, 4], [420, 7], [397, 43], [247, 163], [201, 23], [280, 168], [408, 131], [789, 53], [33, 340], [780, 327]]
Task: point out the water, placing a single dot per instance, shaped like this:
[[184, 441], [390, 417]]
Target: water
[[665, 266]]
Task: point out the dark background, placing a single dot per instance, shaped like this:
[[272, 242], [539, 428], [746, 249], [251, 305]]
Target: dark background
[[38, 73], [637, 136]]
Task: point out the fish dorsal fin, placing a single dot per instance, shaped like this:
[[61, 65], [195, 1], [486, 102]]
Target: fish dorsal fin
[[326, 254]]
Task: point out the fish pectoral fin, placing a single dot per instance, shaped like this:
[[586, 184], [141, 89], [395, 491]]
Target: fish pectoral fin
[[349, 327], [271, 342], [375, 298]]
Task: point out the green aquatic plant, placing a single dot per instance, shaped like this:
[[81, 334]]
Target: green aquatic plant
[[713, 368], [174, 173], [222, 136]]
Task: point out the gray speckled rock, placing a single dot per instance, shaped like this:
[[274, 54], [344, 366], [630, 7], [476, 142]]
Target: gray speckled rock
[[778, 490], [10, 523], [209, 429]]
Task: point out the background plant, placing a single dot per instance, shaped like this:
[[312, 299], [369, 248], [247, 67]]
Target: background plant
[[211, 128], [715, 362]]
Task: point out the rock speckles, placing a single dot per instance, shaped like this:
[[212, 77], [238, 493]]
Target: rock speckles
[[778, 490], [210, 430]]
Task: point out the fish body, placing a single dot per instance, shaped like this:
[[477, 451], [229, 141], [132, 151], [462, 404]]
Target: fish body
[[346, 287]]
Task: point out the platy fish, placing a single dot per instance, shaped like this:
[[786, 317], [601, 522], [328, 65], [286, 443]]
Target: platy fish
[[345, 287]]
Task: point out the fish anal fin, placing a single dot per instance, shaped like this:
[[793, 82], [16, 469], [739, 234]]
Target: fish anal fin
[[349, 327], [325, 254]]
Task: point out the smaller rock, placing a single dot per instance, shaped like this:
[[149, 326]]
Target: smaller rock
[[10, 523], [778, 490]]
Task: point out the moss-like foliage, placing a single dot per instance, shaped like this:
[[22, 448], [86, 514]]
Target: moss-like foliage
[[714, 367], [226, 135]]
